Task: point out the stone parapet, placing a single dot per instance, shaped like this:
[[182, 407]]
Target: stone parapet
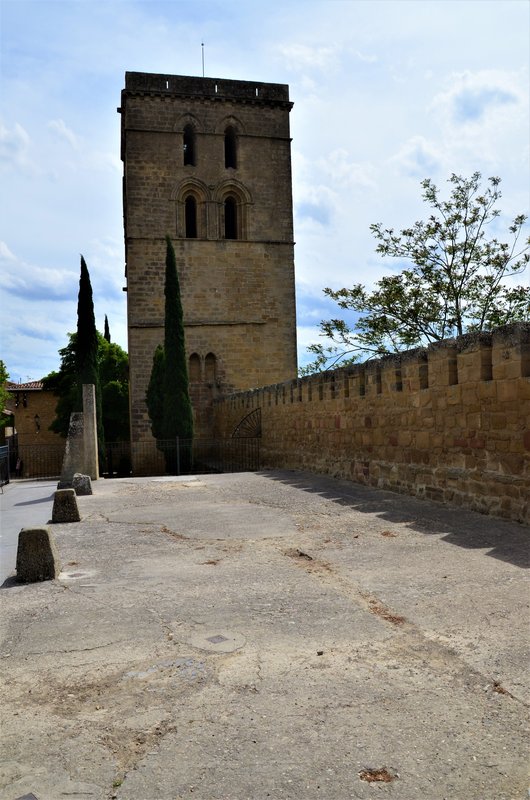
[[448, 423]]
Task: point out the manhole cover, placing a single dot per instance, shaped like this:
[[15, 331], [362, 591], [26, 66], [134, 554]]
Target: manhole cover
[[217, 641]]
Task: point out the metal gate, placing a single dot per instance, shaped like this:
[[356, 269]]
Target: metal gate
[[36, 460], [182, 457]]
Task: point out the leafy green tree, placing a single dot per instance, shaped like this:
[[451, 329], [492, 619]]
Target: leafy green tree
[[458, 279], [113, 366], [4, 395], [173, 416]]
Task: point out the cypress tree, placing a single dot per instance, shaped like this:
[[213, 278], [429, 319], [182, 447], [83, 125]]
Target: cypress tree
[[107, 330], [86, 353], [168, 400], [155, 394]]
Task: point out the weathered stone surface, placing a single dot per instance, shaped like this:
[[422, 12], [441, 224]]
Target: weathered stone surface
[[81, 484], [240, 328], [74, 451], [37, 556], [449, 426], [65, 506]]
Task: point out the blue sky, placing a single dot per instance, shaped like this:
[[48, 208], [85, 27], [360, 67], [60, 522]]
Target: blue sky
[[386, 93]]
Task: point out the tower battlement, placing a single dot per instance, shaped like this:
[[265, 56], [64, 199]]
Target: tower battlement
[[212, 88]]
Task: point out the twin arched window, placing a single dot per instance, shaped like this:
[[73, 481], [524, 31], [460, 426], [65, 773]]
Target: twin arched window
[[196, 371], [189, 148]]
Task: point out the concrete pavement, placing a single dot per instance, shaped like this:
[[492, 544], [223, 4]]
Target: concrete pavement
[[273, 635], [22, 504]]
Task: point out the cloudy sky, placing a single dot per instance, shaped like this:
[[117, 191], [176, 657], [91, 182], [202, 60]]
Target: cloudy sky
[[386, 93]]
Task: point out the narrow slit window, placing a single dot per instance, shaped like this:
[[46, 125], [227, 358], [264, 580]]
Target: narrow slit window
[[210, 368], [230, 148], [194, 368], [190, 212], [230, 218], [189, 146]]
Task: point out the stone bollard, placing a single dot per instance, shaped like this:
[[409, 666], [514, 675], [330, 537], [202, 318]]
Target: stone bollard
[[37, 557], [81, 484], [65, 506]]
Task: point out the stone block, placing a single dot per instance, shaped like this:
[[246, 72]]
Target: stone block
[[65, 506], [81, 484], [37, 556]]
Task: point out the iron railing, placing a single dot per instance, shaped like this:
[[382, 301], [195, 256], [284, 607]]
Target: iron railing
[[182, 457], [36, 460], [4, 465]]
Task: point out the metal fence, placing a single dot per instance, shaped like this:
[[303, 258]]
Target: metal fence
[[4, 465], [36, 460], [182, 457], [171, 457]]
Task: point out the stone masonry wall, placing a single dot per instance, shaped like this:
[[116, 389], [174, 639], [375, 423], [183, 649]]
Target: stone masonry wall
[[238, 294], [449, 423]]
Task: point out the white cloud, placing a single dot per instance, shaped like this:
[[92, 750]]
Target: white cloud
[[418, 158], [300, 57], [14, 146], [60, 128], [473, 97], [345, 172], [31, 281]]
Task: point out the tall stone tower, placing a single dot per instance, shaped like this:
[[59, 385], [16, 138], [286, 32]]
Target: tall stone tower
[[208, 161]]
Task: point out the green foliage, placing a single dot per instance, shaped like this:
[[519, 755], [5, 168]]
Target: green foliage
[[115, 401], [168, 400], [457, 279], [113, 366], [86, 351], [155, 394], [4, 376]]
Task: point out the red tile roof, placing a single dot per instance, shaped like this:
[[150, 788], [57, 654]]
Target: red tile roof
[[31, 386]]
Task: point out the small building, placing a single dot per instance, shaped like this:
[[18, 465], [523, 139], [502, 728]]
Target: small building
[[38, 450]]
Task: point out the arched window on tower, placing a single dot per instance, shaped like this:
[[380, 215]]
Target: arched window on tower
[[210, 368], [230, 148], [189, 146], [230, 208], [190, 213], [195, 368]]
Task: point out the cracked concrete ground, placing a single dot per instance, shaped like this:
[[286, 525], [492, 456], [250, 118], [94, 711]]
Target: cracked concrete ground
[[273, 635]]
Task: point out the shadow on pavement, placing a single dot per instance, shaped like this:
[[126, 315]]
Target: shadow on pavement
[[35, 502], [505, 540]]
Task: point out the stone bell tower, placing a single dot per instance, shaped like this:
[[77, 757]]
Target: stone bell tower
[[208, 161]]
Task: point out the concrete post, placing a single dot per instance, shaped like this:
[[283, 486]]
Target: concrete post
[[90, 435]]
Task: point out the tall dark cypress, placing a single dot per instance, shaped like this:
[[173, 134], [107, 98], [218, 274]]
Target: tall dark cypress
[[107, 330], [178, 415], [87, 350], [168, 400]]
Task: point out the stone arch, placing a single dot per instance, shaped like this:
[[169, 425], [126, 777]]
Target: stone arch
[[188, 126], [233, 200], [187, 119], [210, 368], [231, 148], [191, 193], [194, 368], [230, 121]]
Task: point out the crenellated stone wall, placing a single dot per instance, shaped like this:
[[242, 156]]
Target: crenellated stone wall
[[448, 423]]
